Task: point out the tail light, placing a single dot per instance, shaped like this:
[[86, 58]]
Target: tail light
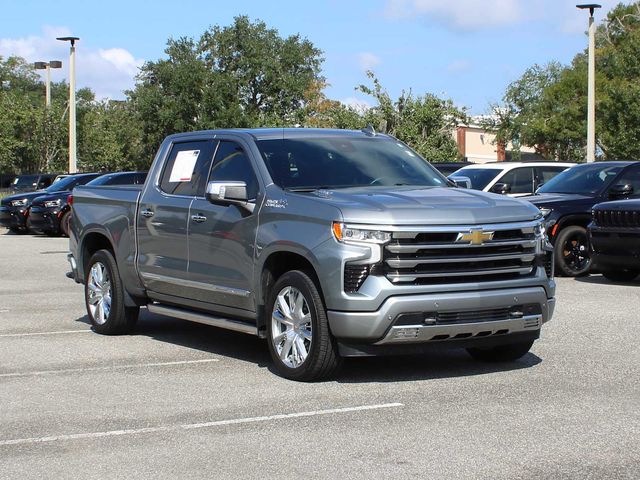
[[70, 200]]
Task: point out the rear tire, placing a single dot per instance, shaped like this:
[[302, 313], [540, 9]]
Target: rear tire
[[300, 342], [571, 252], [501, 353], [104, 296], [620, 275]]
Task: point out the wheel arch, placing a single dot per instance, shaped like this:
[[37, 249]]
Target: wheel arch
[[274, 265]]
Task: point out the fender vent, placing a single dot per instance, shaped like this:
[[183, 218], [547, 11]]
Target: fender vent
[[354, 277]]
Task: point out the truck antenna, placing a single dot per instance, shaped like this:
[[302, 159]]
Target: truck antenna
[[369, 130]]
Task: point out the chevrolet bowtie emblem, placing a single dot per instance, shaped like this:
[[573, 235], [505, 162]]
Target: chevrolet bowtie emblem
[[475, 236]]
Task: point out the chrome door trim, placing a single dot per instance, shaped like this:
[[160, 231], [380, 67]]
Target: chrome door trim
[[191, 284]]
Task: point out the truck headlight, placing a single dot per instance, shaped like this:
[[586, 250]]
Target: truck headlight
[[52, 203], [19, 203], [346, 234]]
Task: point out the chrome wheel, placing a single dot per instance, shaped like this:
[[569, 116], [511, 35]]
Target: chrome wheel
[[291, 330], [99, 293]]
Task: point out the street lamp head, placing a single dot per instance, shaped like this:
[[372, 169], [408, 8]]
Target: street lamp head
[[40, 65], [589, 6], [55, 64], [68, 39]]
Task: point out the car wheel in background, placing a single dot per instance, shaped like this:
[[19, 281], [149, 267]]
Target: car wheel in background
[[620, 275], [301, 345], [571, 252], [65, 223], [104, 296]]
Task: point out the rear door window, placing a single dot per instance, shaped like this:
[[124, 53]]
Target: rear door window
[[520, 180], [187, 168]]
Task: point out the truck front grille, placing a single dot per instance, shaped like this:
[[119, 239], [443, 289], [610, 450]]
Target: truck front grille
[[460, 255], [617, 218]]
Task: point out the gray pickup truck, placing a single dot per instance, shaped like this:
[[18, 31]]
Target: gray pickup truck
[[327, 243]]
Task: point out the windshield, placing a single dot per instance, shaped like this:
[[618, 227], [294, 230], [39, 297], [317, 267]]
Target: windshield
[[69, 183], [25, 181], [584, 179], [480, 177], [340, 162]]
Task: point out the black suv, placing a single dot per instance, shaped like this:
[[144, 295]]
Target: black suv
[[566, 202], [15, 209], [614, 238], [32, 182], [51, 213]]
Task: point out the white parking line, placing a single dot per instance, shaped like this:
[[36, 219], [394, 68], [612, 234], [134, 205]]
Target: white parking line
[[30, 334], [218, 423], [111, 367]]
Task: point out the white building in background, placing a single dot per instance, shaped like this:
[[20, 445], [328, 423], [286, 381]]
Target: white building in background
[[478, 145]]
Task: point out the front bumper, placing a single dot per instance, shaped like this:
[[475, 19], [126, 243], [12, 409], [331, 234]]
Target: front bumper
[[615, 248], [44, 219], [387, 325], [14, 217]]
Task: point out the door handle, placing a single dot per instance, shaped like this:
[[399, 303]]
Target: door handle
[[147, 213], [198, 218]]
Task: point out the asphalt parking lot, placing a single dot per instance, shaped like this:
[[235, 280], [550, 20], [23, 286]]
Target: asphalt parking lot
[[185, 400]]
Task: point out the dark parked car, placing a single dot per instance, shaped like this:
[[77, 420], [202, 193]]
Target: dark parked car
[[614, 238], [566, 202], [51, 213], [15, 209], [31, 183]]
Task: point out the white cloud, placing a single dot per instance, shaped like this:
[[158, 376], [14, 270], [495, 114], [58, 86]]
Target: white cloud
[[106, 71], [368, 60], [459, 66], [467, 15], [356, 103], [460, 14]]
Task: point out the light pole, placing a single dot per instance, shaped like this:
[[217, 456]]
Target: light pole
[[72, 102], [591, 94], [47, 66]]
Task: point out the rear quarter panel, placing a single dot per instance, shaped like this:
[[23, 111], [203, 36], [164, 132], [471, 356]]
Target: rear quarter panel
[[109, 211]]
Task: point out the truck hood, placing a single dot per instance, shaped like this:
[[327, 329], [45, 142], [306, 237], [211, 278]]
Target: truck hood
[[425, 205]]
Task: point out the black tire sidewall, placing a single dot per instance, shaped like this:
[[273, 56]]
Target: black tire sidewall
[[65, 224], [561, 266], [302, 281]]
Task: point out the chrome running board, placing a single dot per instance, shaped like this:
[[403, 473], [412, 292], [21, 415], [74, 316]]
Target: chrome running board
[[198, 317]]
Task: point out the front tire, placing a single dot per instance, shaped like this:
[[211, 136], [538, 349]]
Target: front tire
[[104, 296], [300, 342], [501, 353], [65, 223], [571, 252], [620, 275]]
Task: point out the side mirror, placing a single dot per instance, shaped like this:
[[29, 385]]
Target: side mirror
[[229, 193], [501, 188], [461, 182], [621, 191]]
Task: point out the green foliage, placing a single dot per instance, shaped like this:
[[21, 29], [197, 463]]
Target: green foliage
[[424, 122], [242, 75], [547, 107]]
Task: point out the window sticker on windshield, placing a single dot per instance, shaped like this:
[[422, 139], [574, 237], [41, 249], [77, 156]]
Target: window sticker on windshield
[[183, 166]]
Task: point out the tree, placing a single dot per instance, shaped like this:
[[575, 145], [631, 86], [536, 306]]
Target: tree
[[547, 107], [424, 122], [242, 75]]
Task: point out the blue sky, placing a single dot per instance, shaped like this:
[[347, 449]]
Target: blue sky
[[468, 50]]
